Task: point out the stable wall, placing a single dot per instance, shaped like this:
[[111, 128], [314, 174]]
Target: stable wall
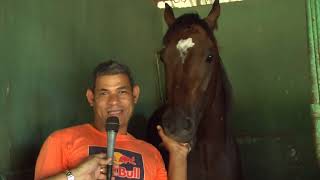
[[47, 52]]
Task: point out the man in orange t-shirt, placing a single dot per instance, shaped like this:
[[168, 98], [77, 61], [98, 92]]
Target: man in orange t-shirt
[[77, 152]]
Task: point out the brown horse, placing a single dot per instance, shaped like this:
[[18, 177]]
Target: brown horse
[[197, 97]]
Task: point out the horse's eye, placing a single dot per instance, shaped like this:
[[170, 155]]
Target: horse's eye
[[209, 58]]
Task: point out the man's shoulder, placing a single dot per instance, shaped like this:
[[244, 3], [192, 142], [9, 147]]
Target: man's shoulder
[[71, 131]]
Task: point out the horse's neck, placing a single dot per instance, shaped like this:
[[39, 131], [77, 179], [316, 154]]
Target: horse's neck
[[213, 122]]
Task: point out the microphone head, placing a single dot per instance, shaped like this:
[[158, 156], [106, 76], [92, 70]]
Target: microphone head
[[112, 124]]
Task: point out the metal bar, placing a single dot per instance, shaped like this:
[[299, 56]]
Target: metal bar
[[316, 31], [314, 41]]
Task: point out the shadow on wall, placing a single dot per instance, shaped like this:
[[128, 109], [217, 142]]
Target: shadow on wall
[[21, 163], [26, 175], [138, 126]]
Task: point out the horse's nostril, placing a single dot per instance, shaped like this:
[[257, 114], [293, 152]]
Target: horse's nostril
[[188, 123], [169, 128], [165, 124]]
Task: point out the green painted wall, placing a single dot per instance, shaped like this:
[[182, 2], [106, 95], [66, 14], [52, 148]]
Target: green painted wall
[[263, 44], [47, 52]]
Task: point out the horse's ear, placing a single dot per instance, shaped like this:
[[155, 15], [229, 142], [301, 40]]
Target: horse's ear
[[168, 15], [213, 16]]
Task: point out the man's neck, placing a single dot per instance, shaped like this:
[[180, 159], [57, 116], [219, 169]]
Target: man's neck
[[122, 131]]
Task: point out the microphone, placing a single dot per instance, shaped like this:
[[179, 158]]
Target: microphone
[[112, 127]]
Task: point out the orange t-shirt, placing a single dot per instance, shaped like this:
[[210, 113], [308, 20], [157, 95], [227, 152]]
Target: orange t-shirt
[[67, 148]]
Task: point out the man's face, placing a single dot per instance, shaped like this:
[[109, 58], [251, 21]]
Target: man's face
[[113, 96]]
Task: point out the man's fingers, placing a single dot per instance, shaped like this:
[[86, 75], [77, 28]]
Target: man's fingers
[[161, 133], [101, 176], [104, 162], [100, 155], [102, 159], [187, 145], [165, 138]]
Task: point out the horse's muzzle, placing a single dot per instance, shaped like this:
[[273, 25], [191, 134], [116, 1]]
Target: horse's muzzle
[[178, 125]]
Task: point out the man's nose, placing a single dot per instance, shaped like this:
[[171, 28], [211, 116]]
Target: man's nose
[[114, 99]]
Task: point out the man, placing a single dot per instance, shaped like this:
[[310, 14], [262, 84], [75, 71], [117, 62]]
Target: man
[[78, 152]]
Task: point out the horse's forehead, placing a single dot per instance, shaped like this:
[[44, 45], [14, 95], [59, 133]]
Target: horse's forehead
[[192, 31], [187, 38]]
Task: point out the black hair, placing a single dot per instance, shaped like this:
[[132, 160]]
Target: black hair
[[111, 67]]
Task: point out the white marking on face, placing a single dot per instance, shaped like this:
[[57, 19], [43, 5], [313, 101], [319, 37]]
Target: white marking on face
[[183, 45]]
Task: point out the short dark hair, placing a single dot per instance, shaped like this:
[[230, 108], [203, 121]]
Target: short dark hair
[[111, 67]]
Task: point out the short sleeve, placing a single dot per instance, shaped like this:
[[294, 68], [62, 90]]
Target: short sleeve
[[50, 159]]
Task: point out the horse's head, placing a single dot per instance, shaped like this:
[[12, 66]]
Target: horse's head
[[192, 66]]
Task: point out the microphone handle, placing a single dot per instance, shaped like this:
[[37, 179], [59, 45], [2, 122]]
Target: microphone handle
[[110, 144], [110, 150], [109, 171]]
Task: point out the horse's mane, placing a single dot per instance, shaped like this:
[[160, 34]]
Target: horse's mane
[[228, 95], [185, 21]]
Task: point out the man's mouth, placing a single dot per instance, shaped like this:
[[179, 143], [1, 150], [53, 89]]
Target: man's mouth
[[115, 112]]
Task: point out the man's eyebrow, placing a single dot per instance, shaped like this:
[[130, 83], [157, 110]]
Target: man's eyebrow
[[124, 87], [119, 88], [102, 89]]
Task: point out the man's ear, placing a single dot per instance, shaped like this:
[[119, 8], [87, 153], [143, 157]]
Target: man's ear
[[135, 93], [90, 97]]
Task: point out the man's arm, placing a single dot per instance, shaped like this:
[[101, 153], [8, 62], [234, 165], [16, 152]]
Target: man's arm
[[178, 153], [92, 168]]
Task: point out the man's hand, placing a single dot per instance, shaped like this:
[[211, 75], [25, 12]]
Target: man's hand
[[179, 150], [94, 167], [178, 156]]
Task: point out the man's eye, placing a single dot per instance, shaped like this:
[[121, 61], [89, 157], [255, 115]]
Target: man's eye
[[103, 93], [123, 92]]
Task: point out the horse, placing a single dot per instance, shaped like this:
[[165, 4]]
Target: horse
[[198, 96]]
